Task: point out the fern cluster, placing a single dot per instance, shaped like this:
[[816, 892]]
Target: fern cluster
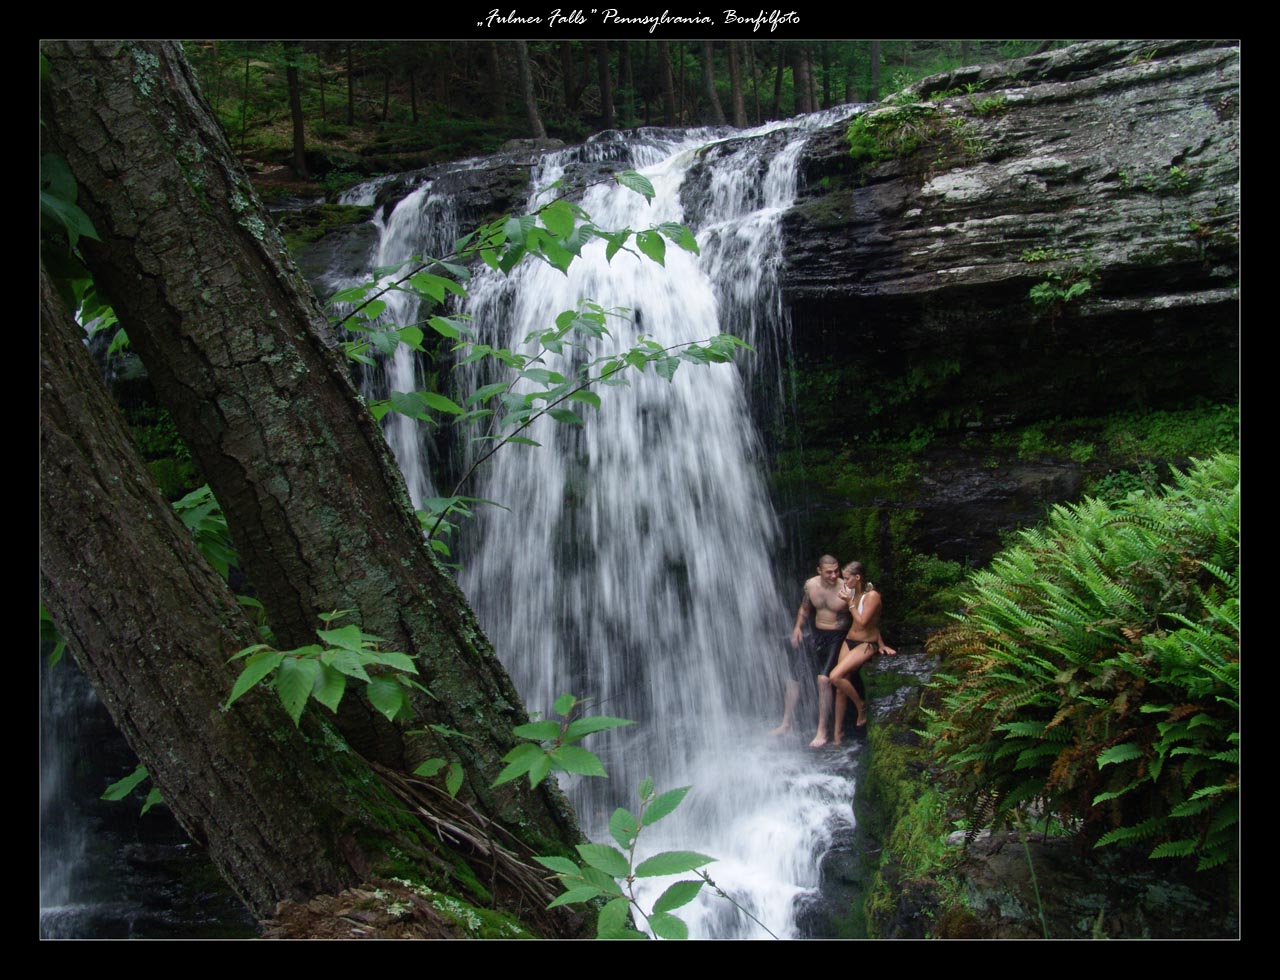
[[1095, 671]]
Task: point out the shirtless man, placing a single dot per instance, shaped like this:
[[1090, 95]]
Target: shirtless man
[[830, 612]]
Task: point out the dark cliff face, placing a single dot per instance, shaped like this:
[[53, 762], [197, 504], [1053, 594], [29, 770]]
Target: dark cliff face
[[1112, 163], [1103, 177]]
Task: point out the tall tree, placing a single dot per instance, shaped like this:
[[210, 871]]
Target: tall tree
[[777, 81], [668, 85], [735, 85], [873, 95], [494, 81], [238, 350], [608, 117], [566, 77], [803, 80], [292, 56], [536, 129], [715, 112], [755, 80]]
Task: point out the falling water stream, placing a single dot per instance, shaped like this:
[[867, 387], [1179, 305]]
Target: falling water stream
[[633, 560]]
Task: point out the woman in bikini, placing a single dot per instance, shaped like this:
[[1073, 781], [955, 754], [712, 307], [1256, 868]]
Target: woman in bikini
[[863, 640]]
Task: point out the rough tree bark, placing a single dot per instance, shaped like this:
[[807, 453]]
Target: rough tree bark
[[239, 351], [735, 84], [284, 812], [716, 113], [536, 129], [608, 116], [668, 86]]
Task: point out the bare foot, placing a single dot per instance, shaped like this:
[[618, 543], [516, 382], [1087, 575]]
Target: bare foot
[[782, 729], [862, 719], [819, 741], [837, 741]]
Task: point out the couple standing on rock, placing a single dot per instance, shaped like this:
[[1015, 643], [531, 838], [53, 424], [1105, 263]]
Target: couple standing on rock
[[846, 634]]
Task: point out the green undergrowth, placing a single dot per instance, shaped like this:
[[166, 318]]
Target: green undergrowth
[[914, 890], [311, 224], [866, 481], [1095, 672]]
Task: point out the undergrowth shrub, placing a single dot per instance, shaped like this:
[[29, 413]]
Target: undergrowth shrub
[[1095, 671]]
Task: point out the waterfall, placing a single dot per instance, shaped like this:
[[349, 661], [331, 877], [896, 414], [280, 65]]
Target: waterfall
[[635, 564]]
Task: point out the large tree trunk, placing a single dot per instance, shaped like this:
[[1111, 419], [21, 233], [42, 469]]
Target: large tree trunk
[[536, 129], [239, 351], [284, 812], [735, 84], [716, 113], [608, 117], [113, 554], [668, 86]]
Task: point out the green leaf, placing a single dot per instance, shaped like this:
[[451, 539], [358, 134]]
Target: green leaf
[[572, 758], [347, 637], [681, 893], [582, 727], [666, 926], [539, 769], [562, 865], [652, 245], [411, 337], [123, 787], [440, 403], [612, 921], [564, 704], [539, 730], [294, 683], [352, 295], [589, 397], [256, 668], [566, 416], [397, 660], [636, 182], [578, 893], [606, 858], [681, 235], [542, 376], [663, 805], [519, 760], [352, 664], [558, 218], [56, 177], [666, 366], [152, 799], [616, 242], [671, 863], [330, 686], [646, 788], [485, 392], [1119, 753], [430, 767], [445, 327], [388, 697], [453, 781], [624, 827], [73, 221]]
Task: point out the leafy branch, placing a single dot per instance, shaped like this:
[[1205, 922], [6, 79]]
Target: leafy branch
[[556, 234], [321, 671]]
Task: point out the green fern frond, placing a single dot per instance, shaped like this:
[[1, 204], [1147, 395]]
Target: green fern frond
[[1175, 848]]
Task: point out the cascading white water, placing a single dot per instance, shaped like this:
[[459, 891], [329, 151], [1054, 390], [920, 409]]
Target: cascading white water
[[634, 566]]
